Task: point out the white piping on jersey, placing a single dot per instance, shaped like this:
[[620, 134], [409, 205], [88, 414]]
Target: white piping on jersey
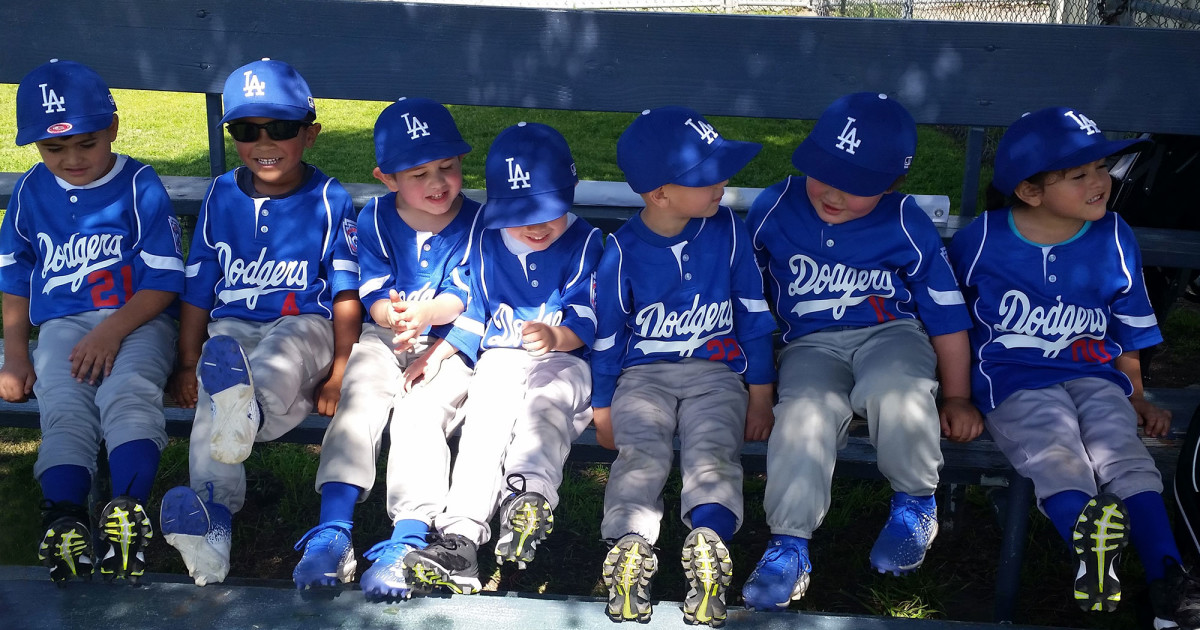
[[614, 242], [1133, 321], [169, 263], [469, 325], [328, 215], [677, 249], [371, 285], [991, 388], [755, 306], [585, 312], [782, 194], [1121, 254], [946, 298], [907, 234], [582, 256], [979, 250], [600, 345], [767, 268], [137, 216], [422, 237]]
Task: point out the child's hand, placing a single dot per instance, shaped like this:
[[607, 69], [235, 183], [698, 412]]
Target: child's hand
[[1155, 421], [421, 371], [92, 358], [16, 380], [183, 387], [961, 421], [537, 338], [602, 418], [760, 413], [328, 395]]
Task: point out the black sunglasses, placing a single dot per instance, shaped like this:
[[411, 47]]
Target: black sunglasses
[[243, 131]]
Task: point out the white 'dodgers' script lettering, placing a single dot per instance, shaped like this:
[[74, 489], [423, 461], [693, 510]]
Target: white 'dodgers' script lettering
[[263, 276], [697, 324], [849, 286], [82, 254], [1049, 329]]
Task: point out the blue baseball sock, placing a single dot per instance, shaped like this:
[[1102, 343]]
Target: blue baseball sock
[[133, 466], [337, 501], [716, 517], [1150, 532], [411, 532], [1063, 510], [66, 484]]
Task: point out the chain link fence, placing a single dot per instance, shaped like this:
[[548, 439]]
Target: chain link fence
[[1148, 13]]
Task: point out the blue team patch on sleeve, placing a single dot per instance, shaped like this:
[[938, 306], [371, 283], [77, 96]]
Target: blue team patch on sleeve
[[350, 231], [176, 234]]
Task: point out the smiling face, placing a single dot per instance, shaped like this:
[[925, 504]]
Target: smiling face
[[431, 188], [277, 165], [539, 236], [834, 206], [695, 202], [1077, 194], [82, 158]]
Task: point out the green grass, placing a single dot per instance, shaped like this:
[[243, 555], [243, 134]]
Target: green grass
[[166, 130]]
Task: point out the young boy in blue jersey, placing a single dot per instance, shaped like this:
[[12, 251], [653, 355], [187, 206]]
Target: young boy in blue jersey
[[272, 278], [1061, 312], [412, 257], [90, 254], [528, 325], [682, 329], [870, 311]]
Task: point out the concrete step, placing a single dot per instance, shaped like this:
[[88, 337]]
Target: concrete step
[[29, 600]]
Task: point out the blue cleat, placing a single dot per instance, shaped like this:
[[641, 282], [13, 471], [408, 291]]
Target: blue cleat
[[202, 532], [907, 535], [328, 557], [781, 577], [385, 579]]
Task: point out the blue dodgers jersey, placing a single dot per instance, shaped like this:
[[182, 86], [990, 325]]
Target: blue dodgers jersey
[[694, 295], [76, 249], [261, 258], [507, 289], [418, 265], [1046, 314], [887, 265]]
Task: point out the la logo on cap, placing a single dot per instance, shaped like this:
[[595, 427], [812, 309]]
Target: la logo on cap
[[1085, 123], [414, 126], [517, 176], [253, 86], [706, 131], [848, 140]]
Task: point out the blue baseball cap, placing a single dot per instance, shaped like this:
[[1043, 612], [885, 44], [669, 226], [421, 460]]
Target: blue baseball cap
[[676, 145], [861, 144], [530, 176], [1052, 139], [267, 89], [62, 98], [415, 131]]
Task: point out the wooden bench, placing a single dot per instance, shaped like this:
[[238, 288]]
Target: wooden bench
[[977, 75]]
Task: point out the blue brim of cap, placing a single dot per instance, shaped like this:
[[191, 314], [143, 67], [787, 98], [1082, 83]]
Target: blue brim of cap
[[528, 210], [423, 155], [1086, 155], [722, 164], [266, 110], [815, 162], [80, 125]]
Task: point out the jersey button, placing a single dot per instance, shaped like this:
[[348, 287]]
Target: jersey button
[[424, 263], [533, 266], [687, 276], [1053, 278], [427, 247], [1052, 258], [74, 199], [534, 284], [265, 212], [686, 258], [829, 243], [263, 229]]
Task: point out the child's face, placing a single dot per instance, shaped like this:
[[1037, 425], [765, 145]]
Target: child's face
[[695, 202], [431, 187], [541, 235], [276, 164], [835, 206], [82, 158], [1079, 193]]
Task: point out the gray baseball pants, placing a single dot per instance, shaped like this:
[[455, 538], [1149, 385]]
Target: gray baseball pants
[[705, 404], [885, 373]]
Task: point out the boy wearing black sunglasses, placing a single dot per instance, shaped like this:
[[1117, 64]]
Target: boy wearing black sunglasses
[[272, 278]]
